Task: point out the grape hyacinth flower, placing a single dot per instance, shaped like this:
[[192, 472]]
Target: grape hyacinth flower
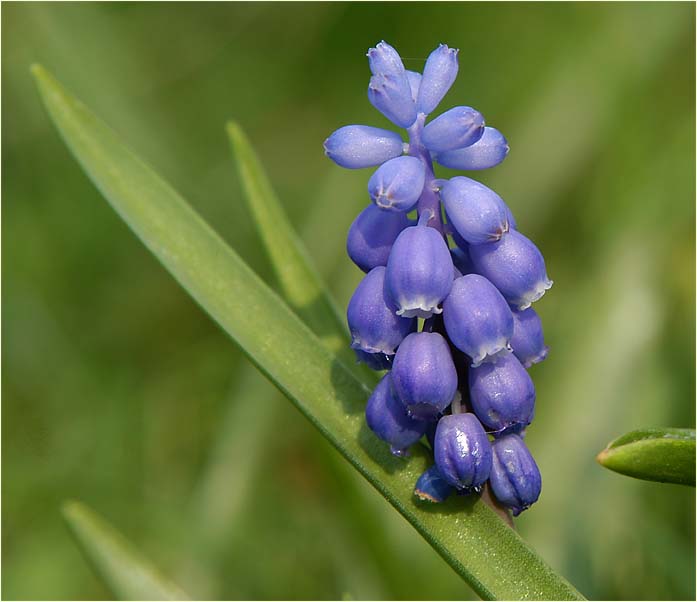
[[444, 306]]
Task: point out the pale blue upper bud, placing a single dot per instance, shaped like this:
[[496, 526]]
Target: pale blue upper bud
[[515, 478], [385, 59], [462, 451], [357, 146], [456, 128], [374, 325], [414, 79], [477, 213], [423, 375], [432, 487], [502, 394], [478, 319], [488, 151], [528, 341], [419, 272], [391, 95], [372, 235], [439, 74], [515, 266], [397, 184], [388, 419]]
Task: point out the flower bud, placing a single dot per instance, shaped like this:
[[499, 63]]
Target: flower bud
[[374, 326], [462, 451], [515, 266], [477, 319], [423, 375], [515, 479], [356, 146], [432, 487], [385, 59], [528, 341], [391, 95], [372, 235], [488, 151], [502, 394], [456, 128], [439, 74], [388, 419], [476, 212], [397, 183], [414, 79], [419, 272]]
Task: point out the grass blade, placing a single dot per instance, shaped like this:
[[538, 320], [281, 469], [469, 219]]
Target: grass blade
[[666, 455], [478, 545], [126, 572]]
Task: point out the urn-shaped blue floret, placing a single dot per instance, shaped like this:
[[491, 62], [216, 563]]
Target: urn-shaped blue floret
[[397, 184], [478, 319], [439, 74], [432, 487], [502, 394], [357, 146], [391, 95], [423, 375], [528, 341], [385, 59], [419, 272], [372, 235], [515, 266], [456, 128], [515, 479], [374, 325], [388, 419], [488, 151], [476, 212], [462, 451]]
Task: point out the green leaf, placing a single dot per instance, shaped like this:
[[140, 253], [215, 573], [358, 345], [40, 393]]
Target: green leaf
[[127, 573], [666, 455], [464, 531]]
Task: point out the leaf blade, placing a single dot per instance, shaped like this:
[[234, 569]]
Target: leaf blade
[[465, 532], [127, 573], [665, 455]]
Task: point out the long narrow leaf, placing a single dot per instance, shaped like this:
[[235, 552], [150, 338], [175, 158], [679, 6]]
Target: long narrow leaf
[[126, 572], [666, 455], [477, 544]]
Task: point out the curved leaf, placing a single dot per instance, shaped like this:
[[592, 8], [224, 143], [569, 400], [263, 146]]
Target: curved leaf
[[127, 573], [466, 533], [666, 455]]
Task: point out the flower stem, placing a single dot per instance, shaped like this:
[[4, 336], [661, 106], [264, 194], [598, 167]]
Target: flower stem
[[429, 199]]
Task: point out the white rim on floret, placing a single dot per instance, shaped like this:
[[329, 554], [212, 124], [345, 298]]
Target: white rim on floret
[[357, 343], [538, 358], [421, 310], [494, 352], [533, 295]]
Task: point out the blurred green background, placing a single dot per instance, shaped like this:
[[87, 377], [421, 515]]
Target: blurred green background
[[120, 392]]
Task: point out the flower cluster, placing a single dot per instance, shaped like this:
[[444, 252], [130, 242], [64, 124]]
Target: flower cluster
[[451, 323]]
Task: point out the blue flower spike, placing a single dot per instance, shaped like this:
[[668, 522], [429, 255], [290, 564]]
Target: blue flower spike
[[375, 326], [463, 452], [456, 128], [490, 150], [419, 271], [388, 419], [424, 375], [477, 319], [502, 394], [474, 211], [397, 184], [432, 487], [371, 236], [478, 333], [515, 478]]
